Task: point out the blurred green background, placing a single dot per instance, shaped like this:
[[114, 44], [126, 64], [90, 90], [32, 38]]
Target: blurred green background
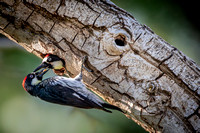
[[22, 113]]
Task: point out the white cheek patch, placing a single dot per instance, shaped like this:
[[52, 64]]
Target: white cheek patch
[[57, 64], [35, 81], [45, 59]]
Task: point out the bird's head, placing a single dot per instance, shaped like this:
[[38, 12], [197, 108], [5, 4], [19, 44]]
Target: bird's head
[[33, 79], [52, 62]]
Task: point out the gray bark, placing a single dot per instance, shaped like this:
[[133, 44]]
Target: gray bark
[[154, 83]]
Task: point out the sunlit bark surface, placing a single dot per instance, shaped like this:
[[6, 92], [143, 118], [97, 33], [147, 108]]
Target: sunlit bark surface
[[154, 83]]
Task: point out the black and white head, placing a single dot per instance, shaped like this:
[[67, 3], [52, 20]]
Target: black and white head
[[33, 79], [53, 62]]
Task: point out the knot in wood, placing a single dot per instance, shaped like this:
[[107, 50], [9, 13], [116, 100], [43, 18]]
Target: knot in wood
[[115, 41], [154, 101], [120, 40], [150, 86]]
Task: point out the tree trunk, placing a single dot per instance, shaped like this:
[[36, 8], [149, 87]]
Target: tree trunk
[[154, 83]]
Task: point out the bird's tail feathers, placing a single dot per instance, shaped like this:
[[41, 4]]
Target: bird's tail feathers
[[107, 110]]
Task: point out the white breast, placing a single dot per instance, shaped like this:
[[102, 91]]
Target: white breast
[[35, 81]]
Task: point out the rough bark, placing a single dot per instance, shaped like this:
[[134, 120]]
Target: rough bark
[[134, 69]]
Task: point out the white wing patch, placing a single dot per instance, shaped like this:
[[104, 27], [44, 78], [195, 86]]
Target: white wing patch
[[68, 82], [76, 95]]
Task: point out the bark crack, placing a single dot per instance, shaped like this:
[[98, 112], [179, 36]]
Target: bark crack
[[83, 2], [184, 120], [137, 37], [163, 115], [124, 26], [196, 112], [96, 19], [62, 2], [6, 26], [70, 46], [123, 94], [29, 15], [52, 27], [108, 65], [84, 42], [74, 37], [126, 89], [96, 79], [145, 120], [159, 76], [166, 59]]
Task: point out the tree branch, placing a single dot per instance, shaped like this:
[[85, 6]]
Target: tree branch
[[134, 69]]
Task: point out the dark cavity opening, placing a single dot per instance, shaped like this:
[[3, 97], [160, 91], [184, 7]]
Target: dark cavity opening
[[120, 40]]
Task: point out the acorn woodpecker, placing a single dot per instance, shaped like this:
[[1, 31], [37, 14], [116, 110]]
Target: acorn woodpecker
[[64, 91], [53, 62]]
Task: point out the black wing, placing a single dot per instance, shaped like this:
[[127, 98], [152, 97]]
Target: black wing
[[65, 96]]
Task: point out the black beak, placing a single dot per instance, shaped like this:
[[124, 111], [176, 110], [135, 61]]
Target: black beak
[[42, 65], [41, 73]]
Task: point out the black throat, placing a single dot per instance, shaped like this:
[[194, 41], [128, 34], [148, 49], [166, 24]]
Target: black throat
[[32, 90]]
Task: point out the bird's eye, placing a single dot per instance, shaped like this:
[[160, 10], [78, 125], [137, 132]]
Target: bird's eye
[[49, 59], [31, 76]]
